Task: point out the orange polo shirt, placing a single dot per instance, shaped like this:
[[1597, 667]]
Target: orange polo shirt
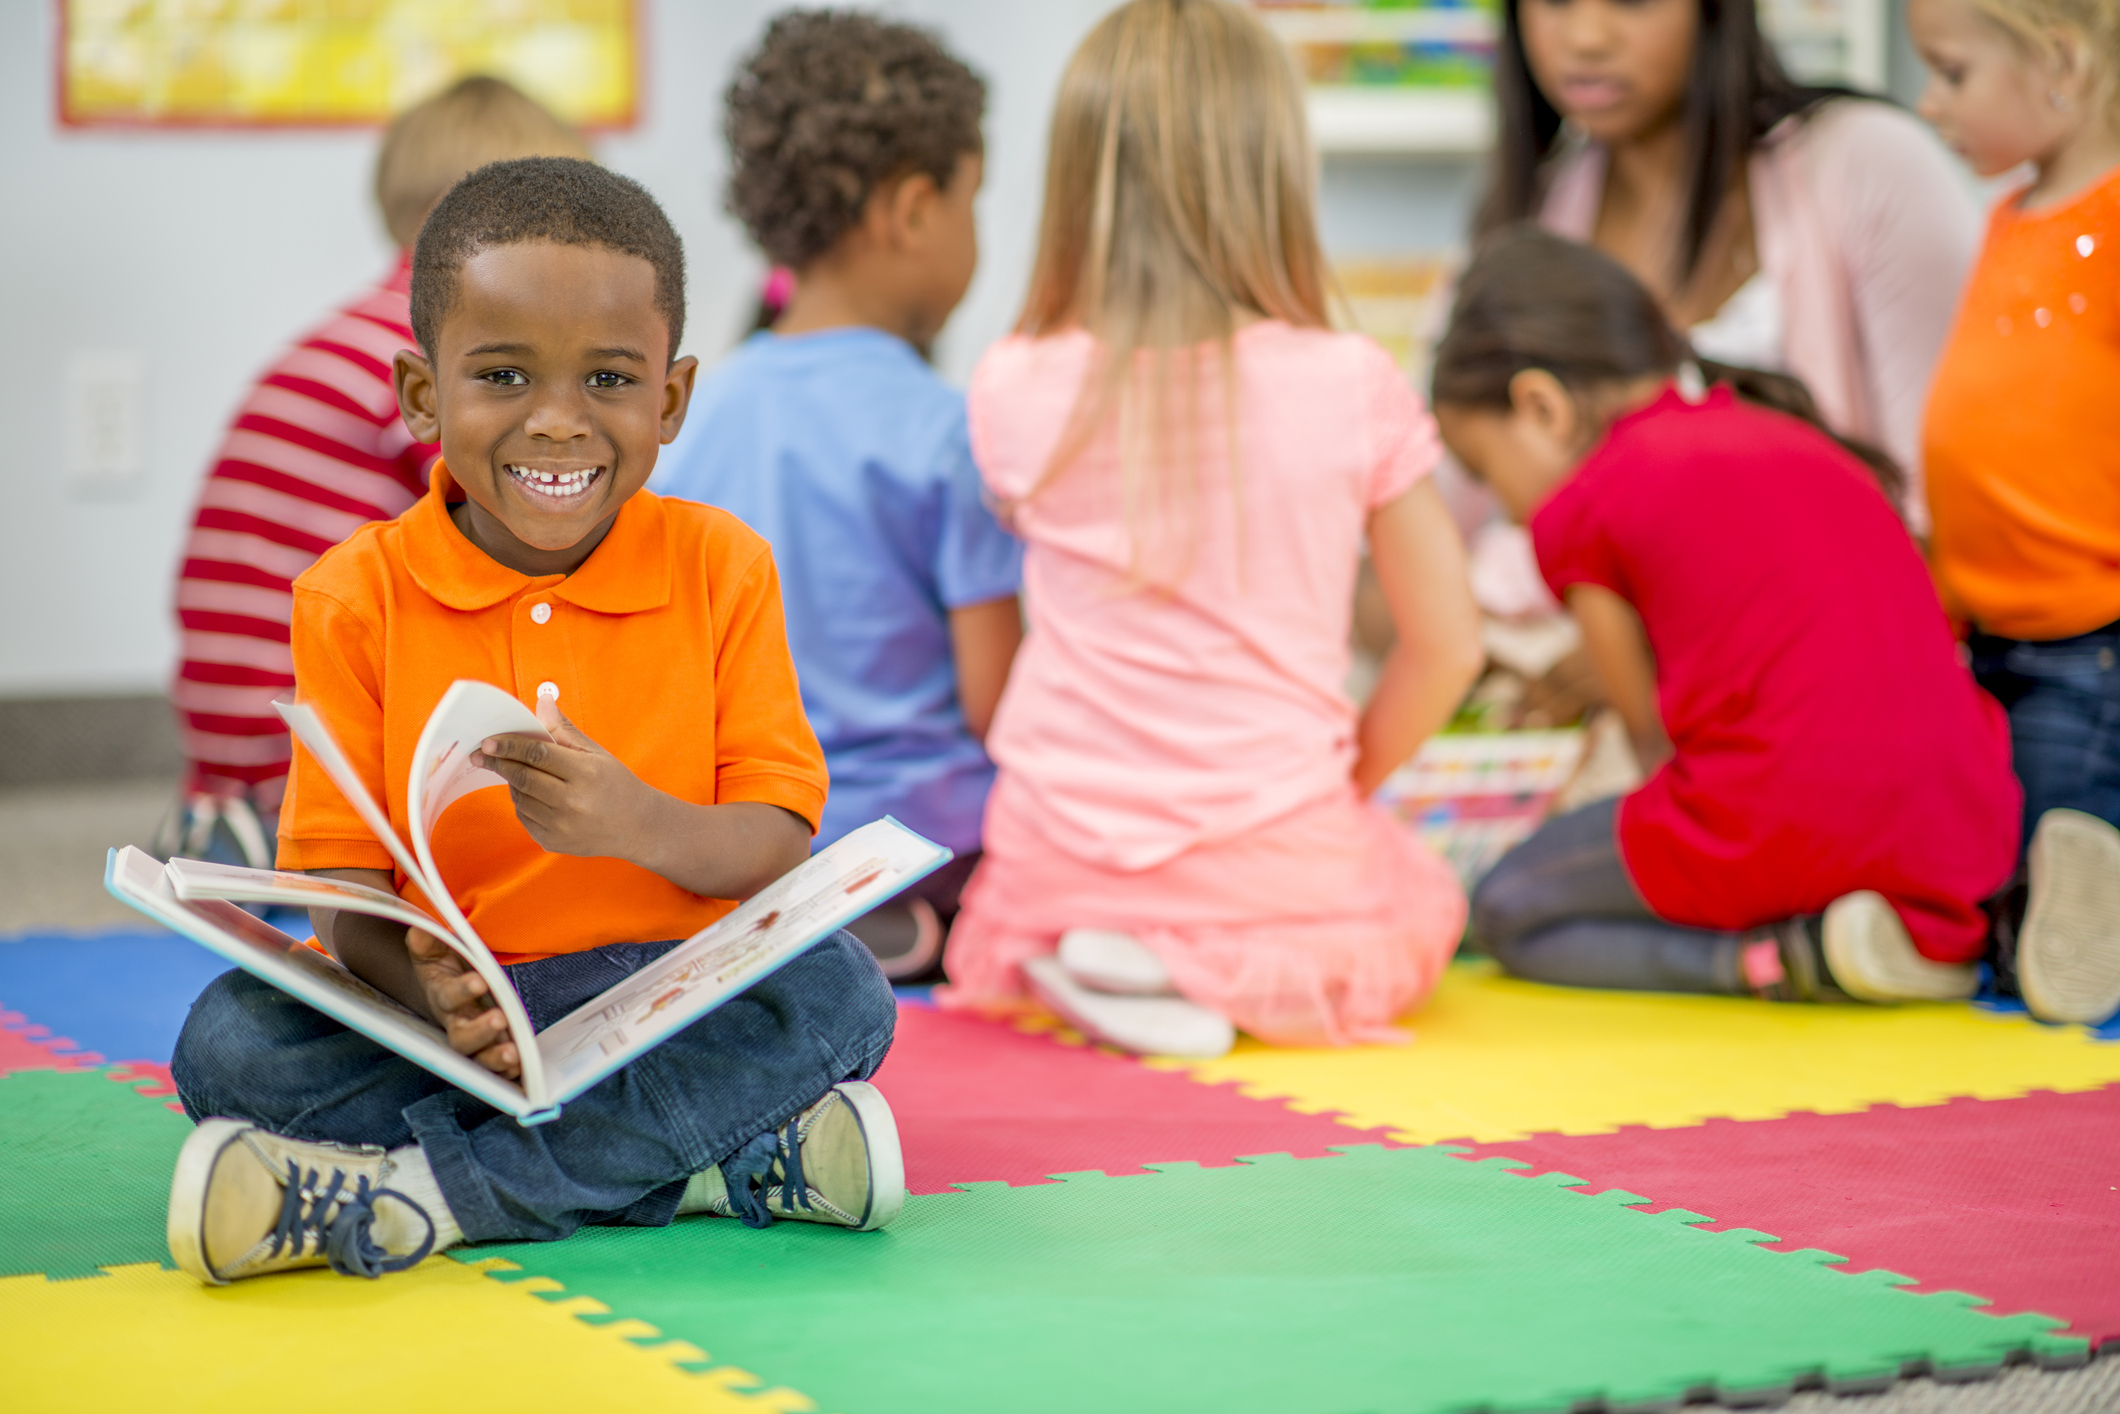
[[668, 649], [2022, 462]]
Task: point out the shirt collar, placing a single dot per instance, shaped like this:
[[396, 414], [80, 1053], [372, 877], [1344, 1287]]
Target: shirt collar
[[628, 572]]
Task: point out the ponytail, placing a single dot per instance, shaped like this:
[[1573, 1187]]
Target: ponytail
[[1530, 299]]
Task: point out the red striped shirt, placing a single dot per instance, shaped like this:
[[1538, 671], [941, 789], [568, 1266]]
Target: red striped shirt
[[316, 451]]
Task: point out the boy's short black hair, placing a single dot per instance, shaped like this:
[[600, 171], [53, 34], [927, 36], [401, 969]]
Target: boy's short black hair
[[833, 104], [558, 199]]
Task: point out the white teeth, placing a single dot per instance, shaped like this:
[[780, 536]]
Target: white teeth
[[555, 483]]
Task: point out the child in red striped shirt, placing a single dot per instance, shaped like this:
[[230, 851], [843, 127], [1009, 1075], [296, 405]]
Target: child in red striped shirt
[[316, 450]]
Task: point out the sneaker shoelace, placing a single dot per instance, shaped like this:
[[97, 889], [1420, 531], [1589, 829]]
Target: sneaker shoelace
[[749, 1178], [337, 1220]]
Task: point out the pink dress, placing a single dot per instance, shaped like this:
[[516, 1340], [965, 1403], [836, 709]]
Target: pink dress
[[1175, 760]]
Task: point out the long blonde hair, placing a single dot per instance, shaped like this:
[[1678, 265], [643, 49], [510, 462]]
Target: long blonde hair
[[1178, 199]]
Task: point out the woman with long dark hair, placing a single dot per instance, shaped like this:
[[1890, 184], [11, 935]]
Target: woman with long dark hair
[[1809, 231]]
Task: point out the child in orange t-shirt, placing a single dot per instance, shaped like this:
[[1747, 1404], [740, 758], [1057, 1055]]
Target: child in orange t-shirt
[[2023, 468], [548, 299]]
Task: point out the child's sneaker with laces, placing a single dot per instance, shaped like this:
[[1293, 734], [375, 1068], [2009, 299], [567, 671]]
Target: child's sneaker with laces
[[836, 1162], [2068, 951], [246, 1201]]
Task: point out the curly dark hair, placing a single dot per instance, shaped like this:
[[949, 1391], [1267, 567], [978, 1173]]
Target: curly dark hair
[[833, 104], [543, 199]]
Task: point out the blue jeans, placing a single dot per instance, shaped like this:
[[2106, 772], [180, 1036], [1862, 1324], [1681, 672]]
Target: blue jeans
[[620, 1152], [1560, 908], [2063, 698]]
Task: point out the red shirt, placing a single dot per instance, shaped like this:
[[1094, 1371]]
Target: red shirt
[[316, 451], [1827, 737]]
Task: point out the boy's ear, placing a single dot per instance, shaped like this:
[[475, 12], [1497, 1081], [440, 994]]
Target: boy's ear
[[416, 395], [676, 395], [910, 205]]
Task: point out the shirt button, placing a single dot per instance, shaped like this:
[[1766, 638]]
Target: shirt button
[[539, 613], [548, 690]]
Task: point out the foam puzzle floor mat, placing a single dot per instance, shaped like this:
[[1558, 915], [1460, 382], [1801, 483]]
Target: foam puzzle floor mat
[[976, 1101], [1380, 1279], [441, 1336], [1498, 1059], [1390, 1280], [2018, 1199], [122, 995], [87, 1165]]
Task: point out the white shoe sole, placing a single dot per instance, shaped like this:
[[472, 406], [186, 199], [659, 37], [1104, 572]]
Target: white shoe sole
[[1149, 1026], [1107, 961], [1873, 960], [927, 942], [187, 1194], [879, 1131], [2068, 954]]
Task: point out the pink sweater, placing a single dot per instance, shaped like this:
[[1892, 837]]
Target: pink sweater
[[1867, 231]]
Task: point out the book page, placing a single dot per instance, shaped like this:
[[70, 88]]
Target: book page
[[836, 886], [441, 775], [135, 877], [308, 726], [195, 880]]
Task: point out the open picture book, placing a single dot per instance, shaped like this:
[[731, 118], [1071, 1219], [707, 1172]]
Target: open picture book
[[802, 907]]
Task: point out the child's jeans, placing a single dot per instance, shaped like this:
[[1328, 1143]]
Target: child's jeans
[[619, 1153], [2063, 697], [1560, 908]]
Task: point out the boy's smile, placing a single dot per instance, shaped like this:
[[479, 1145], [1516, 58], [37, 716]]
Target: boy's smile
[[551, 391]]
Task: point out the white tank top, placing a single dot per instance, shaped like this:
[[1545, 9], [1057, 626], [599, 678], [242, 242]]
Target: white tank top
[[1747, 330]]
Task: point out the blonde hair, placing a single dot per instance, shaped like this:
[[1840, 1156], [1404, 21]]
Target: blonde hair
[[2095, 24], [1177, 200], [431, 146]]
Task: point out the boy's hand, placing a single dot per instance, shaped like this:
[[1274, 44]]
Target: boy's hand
[[459, 999], [573, 796]]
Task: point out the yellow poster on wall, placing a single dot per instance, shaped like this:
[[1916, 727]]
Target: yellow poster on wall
[[241, 63]]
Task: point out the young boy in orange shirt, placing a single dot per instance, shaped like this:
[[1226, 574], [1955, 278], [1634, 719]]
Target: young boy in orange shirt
[[548, 298]]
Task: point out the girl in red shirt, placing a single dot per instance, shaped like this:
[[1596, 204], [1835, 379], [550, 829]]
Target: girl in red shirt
[[1830, 797]]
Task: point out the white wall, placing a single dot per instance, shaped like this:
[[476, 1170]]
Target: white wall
[[202, 253]]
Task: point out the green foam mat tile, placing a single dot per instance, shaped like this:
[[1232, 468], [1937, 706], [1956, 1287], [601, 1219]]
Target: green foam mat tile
[[1393, 1281], [84, 1173]]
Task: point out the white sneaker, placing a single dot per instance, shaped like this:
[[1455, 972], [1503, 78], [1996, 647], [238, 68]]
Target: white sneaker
[[2068, 952], [1107, 961], [246, 1201], [1873, 960], [1149, 1026], [836, 1162]]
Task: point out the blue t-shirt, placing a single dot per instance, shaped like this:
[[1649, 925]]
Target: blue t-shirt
[[846, 451]]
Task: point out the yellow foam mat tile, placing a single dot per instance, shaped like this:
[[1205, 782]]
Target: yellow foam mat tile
[[1496, 1059], [443, 1335]]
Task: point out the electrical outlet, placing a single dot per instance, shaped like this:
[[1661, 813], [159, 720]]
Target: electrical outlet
[[104, 451]]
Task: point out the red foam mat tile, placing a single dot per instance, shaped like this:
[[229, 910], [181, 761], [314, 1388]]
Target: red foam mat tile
[[978, 1101], [27, 1047], [2014, 1200]]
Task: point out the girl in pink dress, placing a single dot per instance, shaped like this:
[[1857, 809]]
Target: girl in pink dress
[[1180, 837]]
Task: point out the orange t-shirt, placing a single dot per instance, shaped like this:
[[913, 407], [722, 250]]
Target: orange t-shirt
[[667, 647], [2023, 465]]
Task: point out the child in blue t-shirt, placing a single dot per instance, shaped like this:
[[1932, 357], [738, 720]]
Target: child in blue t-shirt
[[855, 155]]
